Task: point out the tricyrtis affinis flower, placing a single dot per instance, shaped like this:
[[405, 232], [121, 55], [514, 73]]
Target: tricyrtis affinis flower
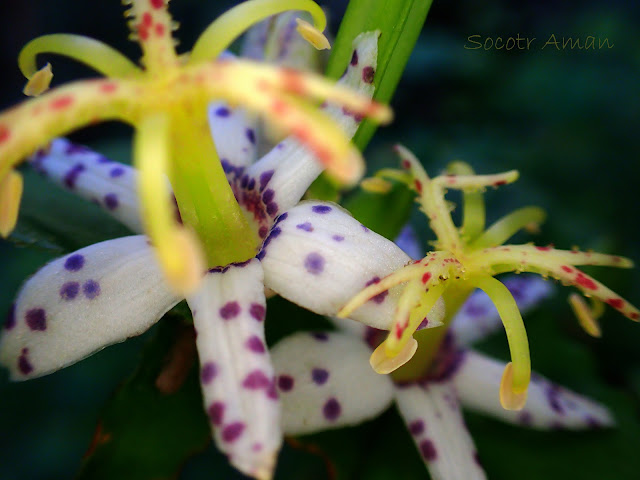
[[166, 99], [468, 258]]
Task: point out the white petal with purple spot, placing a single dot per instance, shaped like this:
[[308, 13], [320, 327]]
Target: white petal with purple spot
[[325, 382], [81, 303], [478, 317], [236, 374], [234, 135], [92, 176], [548, 405], [319, 257], [435, 422], [291, 168]]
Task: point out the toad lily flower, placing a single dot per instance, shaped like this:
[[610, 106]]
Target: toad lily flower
[[166, 101], [467, 259], [325, 382], [110, 291]]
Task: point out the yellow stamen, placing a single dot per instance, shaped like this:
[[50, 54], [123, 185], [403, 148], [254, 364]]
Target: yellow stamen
[[39, 82], [312, 35], [503, 229], [375, 185], [177, 248], [10, 194], [587, 317], [97, 55], [473, 217], [384, 364], [231, 24], [510, 398]]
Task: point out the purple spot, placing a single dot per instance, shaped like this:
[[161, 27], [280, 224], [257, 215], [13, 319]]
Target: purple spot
[[416, 428], [103, 159], [331, 409], [285, 383], [208, 372], [423, 324], [244, 181], [319, 376], [428, 450], [553, 396], [232, 432], [314, 263], [69, 290], [268, 195], [593, 422], [230, 310], [111, 201], [367, 74], [216, 413], [255, 344], [320, 336], [116, 172], [272, 208], [364, 229], [382, 295], [24, 365], [306, 226], [272, 391], [251, 135], [282, 217], [256, 447], [265, 178], [36, 319], [256, 380], [73, 148], [354, 58], [74, 262], [223, 112], [11, 317], [252, 184], [263, 231], [91, 289], [72, 175], [257, 311], [322, 209], [338, 238], [525, 418]]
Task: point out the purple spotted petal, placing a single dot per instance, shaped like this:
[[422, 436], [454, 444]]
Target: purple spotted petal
[[238, 381], [82, 302]]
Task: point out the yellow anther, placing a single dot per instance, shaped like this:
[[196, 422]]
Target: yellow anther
[[510, 399], [312, 35], [587, 317], [10, 194], [39, 82], [375, 185], [383, 364], [183, 261]]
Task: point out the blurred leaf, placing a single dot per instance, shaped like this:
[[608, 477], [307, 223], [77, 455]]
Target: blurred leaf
[[144, 433], [400, 23], [384, 213]]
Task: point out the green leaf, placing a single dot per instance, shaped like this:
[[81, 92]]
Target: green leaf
[[399, 22], [384, 213], [145, 433]]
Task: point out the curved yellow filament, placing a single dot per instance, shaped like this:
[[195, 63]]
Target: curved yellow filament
[[514, 328], [503, 229], [177, 249], [233, 23], [473, 216], [10, 194], [97, 55]]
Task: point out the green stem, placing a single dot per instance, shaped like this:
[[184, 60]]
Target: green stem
[[204, 196]]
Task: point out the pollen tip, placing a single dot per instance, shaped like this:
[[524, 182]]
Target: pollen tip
[[375, 185], [510, 397], [184, 270], [10, 193], [39, 82], [312, 35], [383, 364], [586, 317]]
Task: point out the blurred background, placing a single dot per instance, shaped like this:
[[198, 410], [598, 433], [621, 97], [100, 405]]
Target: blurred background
[[567, 119]]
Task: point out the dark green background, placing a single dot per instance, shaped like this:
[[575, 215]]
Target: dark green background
[[567, 120]]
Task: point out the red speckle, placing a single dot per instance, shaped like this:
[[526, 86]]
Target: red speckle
[[143, 32], [279, 107], [157, 3], [61, 103], [499, 183], [634, 316], [147, 20], [292, 81], [4, 133], [368, 74], [616, 303], [426, 277], [399, 331], [586, 282], [159, 29], [543, 249], [108, 87], [567, 269], [406, 164], [418, 185]]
